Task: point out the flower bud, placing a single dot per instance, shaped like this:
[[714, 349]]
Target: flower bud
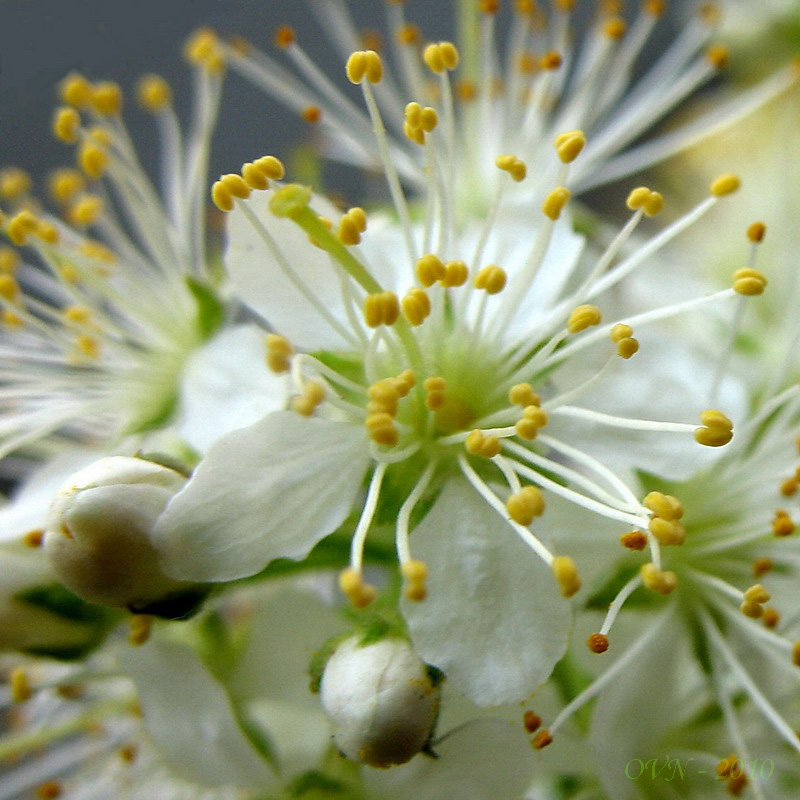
[[381, 701], [98, 537]]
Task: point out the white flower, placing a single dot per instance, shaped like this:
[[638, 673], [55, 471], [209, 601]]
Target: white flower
[[108, 297], [437, 393]]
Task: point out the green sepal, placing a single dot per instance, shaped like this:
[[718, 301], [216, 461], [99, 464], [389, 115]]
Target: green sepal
[[210, 309]]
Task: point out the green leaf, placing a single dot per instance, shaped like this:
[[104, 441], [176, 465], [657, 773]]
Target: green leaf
[[210, 309]]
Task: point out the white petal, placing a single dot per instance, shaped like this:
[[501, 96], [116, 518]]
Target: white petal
[[257, 275], [226, 386], [190, 718], [494, 620], [271, 490], [484, 759]]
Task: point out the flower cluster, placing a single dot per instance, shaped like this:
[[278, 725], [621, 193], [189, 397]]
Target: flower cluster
[[469, 411]]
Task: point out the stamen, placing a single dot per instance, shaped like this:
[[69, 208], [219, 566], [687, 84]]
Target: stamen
[[415, 572]]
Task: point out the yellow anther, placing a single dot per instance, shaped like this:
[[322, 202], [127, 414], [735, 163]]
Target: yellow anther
[[782, 524], [489, 6], [725, 184], [381, 308], [279, 352], [75, 90], [565, 5], [491, 279], [756, 232], [597, 643], [416, 306], [542, 739], [566, 573], [771, 617], [796, 654], [77, 315], [221, 196], [409, 34], [634, 540], [663, 505], [434, 393], [49, 790], [637, 198], [98, 251], [352, 225], [752, 609], [385, 394], [153, 93], [63, 184], [312, 114], [749, 282], [569, 145], [490, 447], [655, 8], [761, 566], [416, 573], [466, 90], [87, 346], [128, 753], [14, 183], [9, 260], [527, 62], [313, 394], [351, 583], [620, 331], [718, 56], [86, 210], [474, 442], [253, 176], [92, 160], [615, 28], [382, 428], [657, 580], [667, 532], [455, 274], [555, 201], [284, 36], [106, 98], [551, 61], [405, 382], [525, 7], [20, 226], [513, 166], [11, 320], [626, 348], [271, 167], [20, 685], [140, 627], [429, 119], [202, 49], [583, 317], [533, 418], [757, 594], [364, 65], [9, 289], [441, 57], [236, 185], [654, 204], [536, 415], [522, 394], [526, 504], [68, 273], [430, 269], [66, 123], [34, 538], [717, 429], [100, 135], [47, 232]]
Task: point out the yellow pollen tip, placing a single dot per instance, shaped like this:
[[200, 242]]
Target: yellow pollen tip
[[441, 57], [63, 184], [312, 114], [752, 609], [106, 98], [655, 8], [75, 90], [796, 654], [615, 28], [381, 308], [279, 352], [416, 306], [284, 36], [718, 56], [9, 260], [541, 739], [92, 160], [153, 93], [202, 49], [140, 627], [597, 643], [513, 166], [20, 226], [488, 6], [352, 586], [253, 176], [364, 65], [415, 573], [757, 594], [290, 200], [771, 617], [525, 505], [271, 167], [717, 429], [667, 532], [313, 394], [633, 540], [522, 394], [531, 721], [34, 539], [409, 34], [654, 204], [455, 274], [551, 61], [555, 201], [725, 184], [66, 122], [761, 566], [569, 145], [430, 269], [659, 581], [749, 282], [9, 289], [20, 685], [385, 395], [756, 232], [382, 429], [663, 505], [782, 524], [491, 279], [351, 226], [50, 790], [566, 574], [14, 183], [583, 317]]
